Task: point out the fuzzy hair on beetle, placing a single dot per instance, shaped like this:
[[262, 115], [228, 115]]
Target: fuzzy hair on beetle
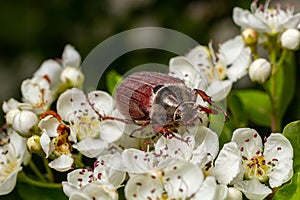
[[161, 101]]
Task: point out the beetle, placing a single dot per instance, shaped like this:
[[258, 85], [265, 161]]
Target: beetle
[[159, 100]]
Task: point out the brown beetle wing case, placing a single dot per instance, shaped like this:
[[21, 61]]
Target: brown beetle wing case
[[134, 96]]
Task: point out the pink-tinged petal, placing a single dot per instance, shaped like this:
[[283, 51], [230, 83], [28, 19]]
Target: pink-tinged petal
[[62, 163], [69, 102], [71, 57], [248, 140], [136, 161], [90, 147], [101, 101], [228, 163], [279, 151], [46, 144], [144, 186], [253, 189], [182, 179]]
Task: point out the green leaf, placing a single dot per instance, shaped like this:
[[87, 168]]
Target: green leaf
[[292, 133], [290, 190], [237, 111], [256, 106], [112, 79]]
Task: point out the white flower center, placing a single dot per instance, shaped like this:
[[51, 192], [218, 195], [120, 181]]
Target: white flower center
[[86, 125]]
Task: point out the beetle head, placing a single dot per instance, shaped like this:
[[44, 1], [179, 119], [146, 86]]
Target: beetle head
[[186, 113]]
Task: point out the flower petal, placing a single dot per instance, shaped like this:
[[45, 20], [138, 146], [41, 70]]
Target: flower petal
[[136, 161], [144, 186], [9, 183], [239, 67], [91, 147], [70, 101], [110, 131], [280, 149], [71, 57], [181, 68], [231, 49], [228, 163], [62, 163], [100, 191], [102, 102], [253, 189], [218, 90], [46, 144], [182, 179], [248, 140], [49, 124], [207, 189]]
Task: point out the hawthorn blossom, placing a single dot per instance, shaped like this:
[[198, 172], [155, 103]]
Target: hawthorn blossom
[[55, 141], [63, 71], [101, 182], [12, 152], [213, 71], [264, 19], [178, 180], [84, 115], [249, 167]]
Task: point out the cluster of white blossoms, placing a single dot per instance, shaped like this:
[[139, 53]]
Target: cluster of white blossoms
[[61, 123]]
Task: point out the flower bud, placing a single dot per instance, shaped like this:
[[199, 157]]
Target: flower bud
[[260, 70], [10, 115], [34, 145], [72, 76], [249, 36], [24, 121], [290, 39]]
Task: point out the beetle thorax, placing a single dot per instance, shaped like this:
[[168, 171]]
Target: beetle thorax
[[174, 105]]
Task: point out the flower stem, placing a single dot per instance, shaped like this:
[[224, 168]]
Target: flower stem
[[36, 171], [48, 170], [25, 179]]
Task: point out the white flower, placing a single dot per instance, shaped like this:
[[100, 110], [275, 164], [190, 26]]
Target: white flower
[[290, 39], [71, 73], [50, 69], [12, 151], [66, 70], [245, 157], [37, 95], [260, 70], [22, 121], [266, 20], [211, 71], [84, 114], [55, 142], [177, 180], [101, 182]]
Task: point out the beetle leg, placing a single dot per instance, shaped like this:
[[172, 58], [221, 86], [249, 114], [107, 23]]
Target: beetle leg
[[127, 121], [208, 99]]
